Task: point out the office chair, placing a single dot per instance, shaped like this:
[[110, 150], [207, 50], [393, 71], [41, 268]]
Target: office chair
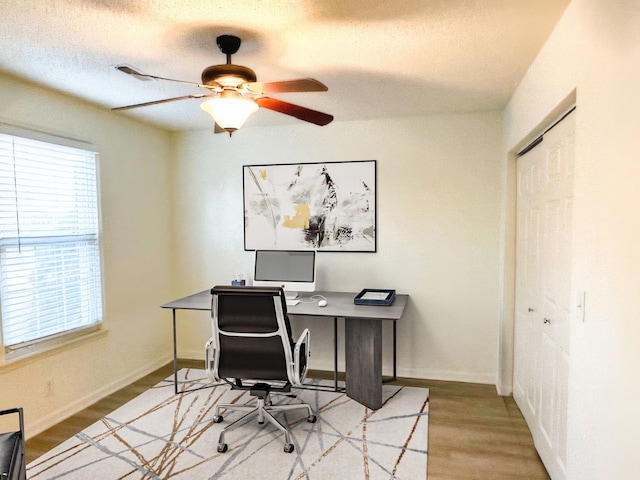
[[253, 350]]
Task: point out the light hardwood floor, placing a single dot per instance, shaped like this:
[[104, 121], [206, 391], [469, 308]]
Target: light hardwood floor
[[473, 432]]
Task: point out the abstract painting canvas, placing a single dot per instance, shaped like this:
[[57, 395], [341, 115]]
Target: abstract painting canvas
[[310, 206]]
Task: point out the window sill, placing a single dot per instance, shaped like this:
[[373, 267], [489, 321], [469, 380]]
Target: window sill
[[19, 358]]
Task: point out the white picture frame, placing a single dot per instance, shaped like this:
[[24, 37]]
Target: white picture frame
[[310, 206]]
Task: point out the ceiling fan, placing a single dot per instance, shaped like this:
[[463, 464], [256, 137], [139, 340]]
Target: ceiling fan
[[233, 92]]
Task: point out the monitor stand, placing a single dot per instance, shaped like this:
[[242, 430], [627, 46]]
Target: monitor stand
[[289, 295]]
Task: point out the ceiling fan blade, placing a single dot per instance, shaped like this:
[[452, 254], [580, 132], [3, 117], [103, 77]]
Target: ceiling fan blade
[[145, 77], [130, 71], [300, 85], [166, 100], [297, 111]]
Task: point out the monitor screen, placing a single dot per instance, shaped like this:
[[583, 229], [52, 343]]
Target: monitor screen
[[292, 270]]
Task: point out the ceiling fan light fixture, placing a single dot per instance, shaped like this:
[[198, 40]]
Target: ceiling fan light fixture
[[230, 110]]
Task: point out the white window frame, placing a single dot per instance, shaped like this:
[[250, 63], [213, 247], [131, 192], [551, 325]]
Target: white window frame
[[78, 331]]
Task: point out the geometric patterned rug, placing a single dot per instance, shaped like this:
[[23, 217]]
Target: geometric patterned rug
[[160, 435]]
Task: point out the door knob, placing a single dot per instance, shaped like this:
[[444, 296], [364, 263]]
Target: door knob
[[531, 310], [547, 320]]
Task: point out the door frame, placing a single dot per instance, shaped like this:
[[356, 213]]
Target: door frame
[[506, 340]]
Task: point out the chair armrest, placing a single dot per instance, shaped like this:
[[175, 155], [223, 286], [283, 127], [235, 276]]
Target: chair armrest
[[17, 410], [212, 371], [300, 371], [11, 410]]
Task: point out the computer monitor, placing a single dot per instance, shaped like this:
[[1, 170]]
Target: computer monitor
[[294, 271]]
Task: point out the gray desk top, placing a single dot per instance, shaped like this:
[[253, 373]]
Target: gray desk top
[[197, 301], [339, 304]]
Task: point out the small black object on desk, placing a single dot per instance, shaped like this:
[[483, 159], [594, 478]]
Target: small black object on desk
[[375, 296]]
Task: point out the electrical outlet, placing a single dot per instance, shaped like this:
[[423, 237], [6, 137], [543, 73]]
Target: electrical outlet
[[49, 388]]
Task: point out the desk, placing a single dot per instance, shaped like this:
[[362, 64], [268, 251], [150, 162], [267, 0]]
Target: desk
[[363, 337]]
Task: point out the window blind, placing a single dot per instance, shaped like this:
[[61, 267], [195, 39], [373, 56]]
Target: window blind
[[50, 278]]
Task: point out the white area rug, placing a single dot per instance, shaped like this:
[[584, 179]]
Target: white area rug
[[160, 435]]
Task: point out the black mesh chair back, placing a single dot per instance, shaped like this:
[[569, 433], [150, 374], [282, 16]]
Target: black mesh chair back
[[254, 332]]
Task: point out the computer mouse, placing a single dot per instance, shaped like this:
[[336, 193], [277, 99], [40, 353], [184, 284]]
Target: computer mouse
[[322, 303]]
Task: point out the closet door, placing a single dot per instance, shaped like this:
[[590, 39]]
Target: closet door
[[543, 286], [528, 286]]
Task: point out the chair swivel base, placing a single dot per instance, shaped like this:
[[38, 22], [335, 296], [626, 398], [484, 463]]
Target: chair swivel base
[[263, 410]]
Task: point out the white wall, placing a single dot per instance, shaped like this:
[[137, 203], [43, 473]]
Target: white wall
[[438, 229], [136, 230], [595, 50]]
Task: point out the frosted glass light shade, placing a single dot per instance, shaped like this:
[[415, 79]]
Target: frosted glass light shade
[[229, 109]]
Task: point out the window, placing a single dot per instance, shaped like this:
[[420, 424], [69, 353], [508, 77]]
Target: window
[[50, 279]]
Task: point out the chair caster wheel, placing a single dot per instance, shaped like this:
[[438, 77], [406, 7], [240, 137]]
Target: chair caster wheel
[[217, 418], [222, 447], [288, 447], [312, 419]]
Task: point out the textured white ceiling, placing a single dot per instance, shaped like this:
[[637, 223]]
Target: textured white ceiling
[[379, 58]]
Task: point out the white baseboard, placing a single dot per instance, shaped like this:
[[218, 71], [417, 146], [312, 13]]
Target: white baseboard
[[448, 376], [192, 355], [424, 374], [504, 389], [56, 416]]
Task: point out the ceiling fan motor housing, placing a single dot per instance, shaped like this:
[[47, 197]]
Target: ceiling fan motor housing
[[228, 44], [227, 75]]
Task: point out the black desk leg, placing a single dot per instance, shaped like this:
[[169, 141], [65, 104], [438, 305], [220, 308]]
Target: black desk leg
[[335, 353], [395, 374], [395, 362], [175, 355]]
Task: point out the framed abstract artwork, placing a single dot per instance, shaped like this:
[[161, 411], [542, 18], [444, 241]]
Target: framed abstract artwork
[[310, 206]]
